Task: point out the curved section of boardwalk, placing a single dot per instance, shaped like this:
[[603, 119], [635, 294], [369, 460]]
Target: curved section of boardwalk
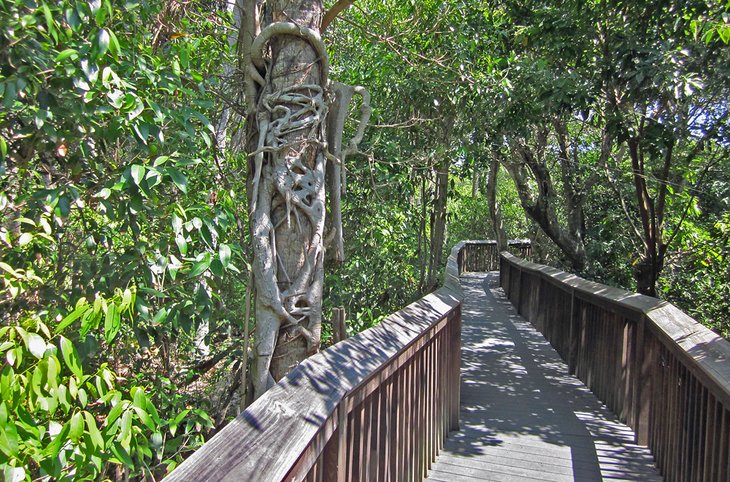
[[523, 417]]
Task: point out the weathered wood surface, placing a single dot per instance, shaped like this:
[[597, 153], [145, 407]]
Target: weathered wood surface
[[667, 376], [523, 417], [483, 256], [357, 410]]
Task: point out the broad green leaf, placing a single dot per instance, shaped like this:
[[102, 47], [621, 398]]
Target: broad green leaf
[[9, 441], [125, 435], [116, 411], [182, 244], [122, 454], [114, 43], [71, 317], [76, 430], [112, 323], [160, 317], [49, 18], [52, 372], [93, 430], [126, 299], [66, 54], [135, 112], [71, 358], [224, 253], [177, 420], [52, 450], [200, 266], [24, 239], [216, 267], [102, 40], [13, 474], [36, 345], [138, 172], [179, 179]]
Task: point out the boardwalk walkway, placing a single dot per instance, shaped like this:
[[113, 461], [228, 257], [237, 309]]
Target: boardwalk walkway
[[523, 418]]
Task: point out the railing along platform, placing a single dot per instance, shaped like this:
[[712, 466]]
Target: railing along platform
[[376, 406], [665, 375]]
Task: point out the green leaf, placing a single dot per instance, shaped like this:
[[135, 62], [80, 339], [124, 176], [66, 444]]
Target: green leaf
[[224, 253], [121, 453], [94, 433], [36, 345], [71, 317], [127, 299], [217, 268], [179, 179], [13, 474], [71, 358], [49, 17], [114, 43], [138, 172], [24, 239], [125, 436], [116, 411], [160, 317], [182, 244], [66, 54], [200, 266], [9, 440], [76, 430], [177, 420], [54, 448], [135, 112], [3, 148], [102, 40], [112, 323]]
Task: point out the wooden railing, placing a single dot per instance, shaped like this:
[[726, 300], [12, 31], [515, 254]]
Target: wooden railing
[[660, 371], [483, 256], [376, 406]]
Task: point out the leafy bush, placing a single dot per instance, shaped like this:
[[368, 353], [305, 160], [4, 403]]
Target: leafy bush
[[117, 243]]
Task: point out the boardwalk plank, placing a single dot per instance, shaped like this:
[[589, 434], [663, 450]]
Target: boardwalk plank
[[523, 417]]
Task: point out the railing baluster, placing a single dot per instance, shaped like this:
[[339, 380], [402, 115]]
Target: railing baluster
[[665, 375]]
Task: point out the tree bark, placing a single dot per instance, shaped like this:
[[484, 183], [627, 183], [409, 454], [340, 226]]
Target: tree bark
[[529, 161], [438, 220], [286, 132], [495, 212]]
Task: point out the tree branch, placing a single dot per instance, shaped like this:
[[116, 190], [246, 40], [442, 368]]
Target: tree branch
[[332, 13]]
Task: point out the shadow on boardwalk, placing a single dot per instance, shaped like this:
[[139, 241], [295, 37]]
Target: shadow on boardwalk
[[523, 417]]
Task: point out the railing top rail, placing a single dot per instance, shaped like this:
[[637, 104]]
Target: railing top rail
[[268, 438], [492, 242], [705, 352]]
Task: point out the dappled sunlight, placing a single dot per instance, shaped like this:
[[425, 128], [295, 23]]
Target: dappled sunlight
[[523, 417]]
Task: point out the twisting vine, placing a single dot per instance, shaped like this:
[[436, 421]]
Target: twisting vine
[[287, 198]]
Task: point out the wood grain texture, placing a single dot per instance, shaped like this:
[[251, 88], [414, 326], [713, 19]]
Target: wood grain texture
[[286, 433], [648, 361], [523, 416]]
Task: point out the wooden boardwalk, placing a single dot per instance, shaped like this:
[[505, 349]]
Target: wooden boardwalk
[[523, 417]]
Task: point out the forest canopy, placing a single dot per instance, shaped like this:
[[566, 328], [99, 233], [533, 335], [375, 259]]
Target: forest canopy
[[599, 130]]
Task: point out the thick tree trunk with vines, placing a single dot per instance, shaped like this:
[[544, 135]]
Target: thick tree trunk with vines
[[288, 97], [286, 82]]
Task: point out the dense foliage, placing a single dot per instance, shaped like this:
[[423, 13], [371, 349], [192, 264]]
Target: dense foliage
[[123, 213], [116, 239]]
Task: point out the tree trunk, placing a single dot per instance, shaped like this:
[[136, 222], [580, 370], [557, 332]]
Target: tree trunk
[[495, 212], [438, 220], [286, 133], [542, 206]]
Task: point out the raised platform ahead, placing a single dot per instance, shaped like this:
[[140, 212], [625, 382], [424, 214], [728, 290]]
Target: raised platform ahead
[[523, 417]]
